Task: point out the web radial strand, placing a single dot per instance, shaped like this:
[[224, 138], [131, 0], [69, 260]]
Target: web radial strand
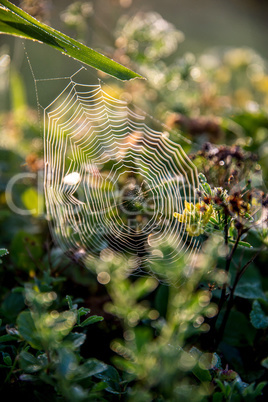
[[111, 182]]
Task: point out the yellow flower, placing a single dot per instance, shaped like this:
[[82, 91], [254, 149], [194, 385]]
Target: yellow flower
[[195, 217], [195, 229], [189, 206]]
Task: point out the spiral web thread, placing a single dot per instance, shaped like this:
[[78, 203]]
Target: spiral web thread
[[112, 184]]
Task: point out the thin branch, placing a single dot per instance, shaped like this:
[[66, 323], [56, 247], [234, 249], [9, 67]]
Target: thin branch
[[48, 250], [227, 268], [231, 299], [37, 263], [223, 297], [226, 229]]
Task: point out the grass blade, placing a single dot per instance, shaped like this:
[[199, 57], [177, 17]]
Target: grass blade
[[14, 21]]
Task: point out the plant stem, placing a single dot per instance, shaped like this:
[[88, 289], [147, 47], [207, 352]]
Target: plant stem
[[11, 370], [231, 298], [226, 229], [47, 245], [223, 298], [48, 360], [227, 268], [33, 259]]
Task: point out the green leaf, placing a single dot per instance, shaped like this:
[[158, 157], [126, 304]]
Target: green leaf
[[8, 338], [222, 386], [28, 377], [29, 362], [91, 320], [207, 188], [28, 330], [69, 301], [202, 178], [251, 392], [202, 375], [205, 362], [80, 312], [76, 339], [124, 365], [83, 311], [112, 378], [14, 21], [264, 362], [99, 386], [3, 251], [92, 367], [259, 388], [27, 359], [242, 243], [217, 397], [142, 286], [249, 291], [7, 359], [95, 366], [110, 374], [214, 221], [18, 289], [67, 360], [257, 317]]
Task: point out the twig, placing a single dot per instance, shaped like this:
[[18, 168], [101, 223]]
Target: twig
[[227, 268], [226, 229], [47, 245], [48, 361], [231, 298], [223, 297], [12, 369], [40, 267], [55, 270]]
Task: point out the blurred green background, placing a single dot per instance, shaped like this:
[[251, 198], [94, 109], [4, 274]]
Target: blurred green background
[[205, 24], [207, 80]]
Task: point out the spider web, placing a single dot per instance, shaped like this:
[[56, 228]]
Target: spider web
[[112, 184]]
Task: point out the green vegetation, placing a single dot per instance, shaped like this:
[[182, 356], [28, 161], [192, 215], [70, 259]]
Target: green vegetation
[[195, 330], [14, 21]]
